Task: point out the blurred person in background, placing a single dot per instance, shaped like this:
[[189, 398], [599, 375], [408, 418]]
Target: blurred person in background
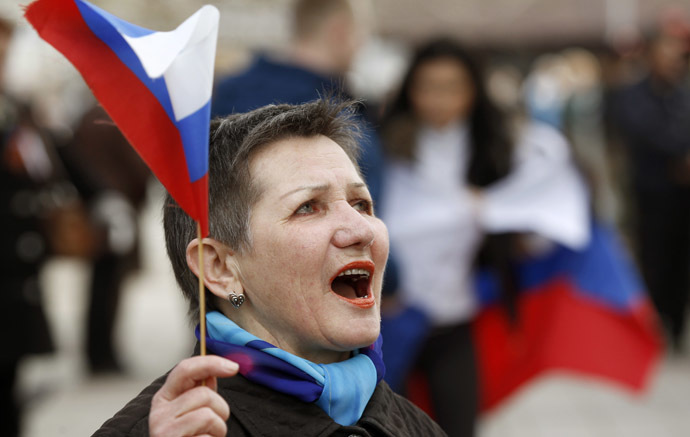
[[325, 39], [425, 138], [585, 126], [546, 89], [112, 180], [566, 90], [653, 117], [447, 146], [40, 215], [326, 35]]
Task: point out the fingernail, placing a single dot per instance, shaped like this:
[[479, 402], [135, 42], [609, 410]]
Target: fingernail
[[232, 366]]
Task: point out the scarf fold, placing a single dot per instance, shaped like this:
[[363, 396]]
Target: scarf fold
[[341, 389]]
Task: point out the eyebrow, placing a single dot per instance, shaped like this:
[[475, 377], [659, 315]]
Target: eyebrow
[[320, 188], [357, 185]]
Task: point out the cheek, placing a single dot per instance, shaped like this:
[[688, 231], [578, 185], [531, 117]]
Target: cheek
[[271, 265], [380, 246], [297, 259], [455, 104], [423, 103], [466, 103]]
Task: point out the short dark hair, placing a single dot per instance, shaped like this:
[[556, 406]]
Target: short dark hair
[[232, 189]]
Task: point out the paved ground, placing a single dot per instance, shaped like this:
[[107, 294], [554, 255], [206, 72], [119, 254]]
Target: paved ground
[[64, 401]]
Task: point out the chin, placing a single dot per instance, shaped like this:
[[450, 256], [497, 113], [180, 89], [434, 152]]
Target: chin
[[359, 334]]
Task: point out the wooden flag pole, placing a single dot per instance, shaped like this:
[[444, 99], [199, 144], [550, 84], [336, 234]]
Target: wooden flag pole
[[202, 293]]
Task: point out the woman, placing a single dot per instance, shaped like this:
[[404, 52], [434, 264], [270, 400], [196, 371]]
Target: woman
[[293, 270], [449, 202]]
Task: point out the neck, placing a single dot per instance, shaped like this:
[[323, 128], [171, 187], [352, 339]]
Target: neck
[[445, 124], [279, 339]]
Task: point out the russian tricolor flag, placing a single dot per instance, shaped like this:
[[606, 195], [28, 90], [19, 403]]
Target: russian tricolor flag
[[156, 86], [579, 311]]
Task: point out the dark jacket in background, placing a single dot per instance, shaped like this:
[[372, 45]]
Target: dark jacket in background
[[24, 241], [268, 81], [655, 127], [654, 121]]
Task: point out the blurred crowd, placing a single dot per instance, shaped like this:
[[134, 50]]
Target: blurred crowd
[[449, 122]]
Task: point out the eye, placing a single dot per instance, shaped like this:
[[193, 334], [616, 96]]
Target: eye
[[364, 205], [307, 208]]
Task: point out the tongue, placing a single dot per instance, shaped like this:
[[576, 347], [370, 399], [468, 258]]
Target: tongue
[[362, 288], [344, 289]]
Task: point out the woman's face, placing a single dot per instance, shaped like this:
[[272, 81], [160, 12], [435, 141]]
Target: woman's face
[[314, 272], [442, 92]]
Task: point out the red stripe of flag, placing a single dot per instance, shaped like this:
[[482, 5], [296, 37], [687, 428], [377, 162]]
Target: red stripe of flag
[[558, 328], [130, 104]]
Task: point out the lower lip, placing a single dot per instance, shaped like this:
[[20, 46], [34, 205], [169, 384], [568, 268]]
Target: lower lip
[[362, 302]]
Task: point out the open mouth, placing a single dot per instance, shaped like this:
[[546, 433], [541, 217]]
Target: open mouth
[[353, 283]]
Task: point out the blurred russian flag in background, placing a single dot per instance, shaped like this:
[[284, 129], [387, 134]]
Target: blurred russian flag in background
[[156, 86], [580, 311]]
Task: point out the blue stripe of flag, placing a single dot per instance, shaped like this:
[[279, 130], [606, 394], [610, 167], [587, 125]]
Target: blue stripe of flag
[[194, 130], [601, 271]]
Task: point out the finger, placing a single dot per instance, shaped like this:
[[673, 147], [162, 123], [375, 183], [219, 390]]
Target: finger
[[200, 397], [211, 382], [203, 421], [190, 372]]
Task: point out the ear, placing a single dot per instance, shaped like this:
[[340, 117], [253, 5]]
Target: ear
[[221, 275]]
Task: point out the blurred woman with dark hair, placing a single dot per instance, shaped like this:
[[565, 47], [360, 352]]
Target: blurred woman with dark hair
[[449, 201]]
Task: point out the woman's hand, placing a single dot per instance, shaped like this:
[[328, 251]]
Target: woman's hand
[[184, 407]]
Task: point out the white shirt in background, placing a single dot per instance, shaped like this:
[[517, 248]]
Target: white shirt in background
[[436, 223]]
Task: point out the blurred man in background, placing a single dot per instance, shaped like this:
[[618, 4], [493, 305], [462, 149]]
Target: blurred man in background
[[653, 116], [112, 180], [324, 41], [326, 35]]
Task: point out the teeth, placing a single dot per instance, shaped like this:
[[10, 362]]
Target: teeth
[[352, 272]]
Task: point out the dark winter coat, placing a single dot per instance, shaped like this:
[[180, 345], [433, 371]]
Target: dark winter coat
[[256, 410]]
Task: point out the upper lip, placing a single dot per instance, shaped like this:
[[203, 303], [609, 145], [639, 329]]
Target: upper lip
[[365, 265]]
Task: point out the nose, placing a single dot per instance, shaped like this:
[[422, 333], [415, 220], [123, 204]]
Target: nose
[[352, 229]]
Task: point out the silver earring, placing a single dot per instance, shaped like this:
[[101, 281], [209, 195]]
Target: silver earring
[[236, 299]]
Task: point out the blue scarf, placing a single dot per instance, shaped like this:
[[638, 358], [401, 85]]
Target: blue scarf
[[341, 389]]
